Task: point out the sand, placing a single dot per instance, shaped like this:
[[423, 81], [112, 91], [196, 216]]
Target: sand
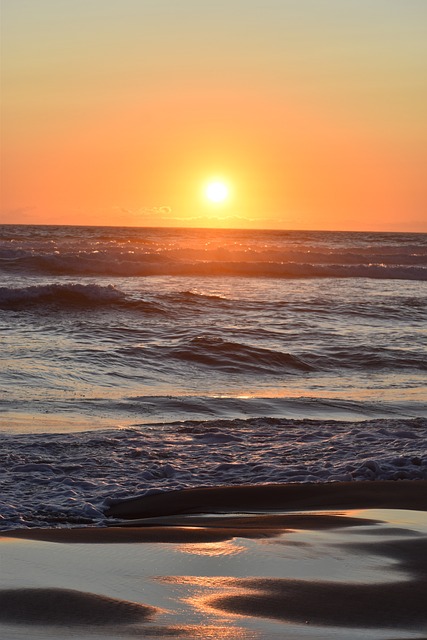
[[343, 560]]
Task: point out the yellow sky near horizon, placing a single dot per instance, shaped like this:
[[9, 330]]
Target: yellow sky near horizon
[[118, 113]]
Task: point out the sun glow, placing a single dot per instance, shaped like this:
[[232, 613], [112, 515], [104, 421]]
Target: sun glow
[[216, 191]]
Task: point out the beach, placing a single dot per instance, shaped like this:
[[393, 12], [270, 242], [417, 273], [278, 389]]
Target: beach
[[286, 565], [212, 433]]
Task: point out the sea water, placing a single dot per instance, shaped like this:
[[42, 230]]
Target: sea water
[[137, 360]]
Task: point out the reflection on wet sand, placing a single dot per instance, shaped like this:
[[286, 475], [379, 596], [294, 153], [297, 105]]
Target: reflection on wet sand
[[397, 602]]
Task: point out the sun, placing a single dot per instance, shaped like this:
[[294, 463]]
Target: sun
[[216, 191]]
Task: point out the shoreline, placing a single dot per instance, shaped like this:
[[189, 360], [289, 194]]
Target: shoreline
[[188, 515]]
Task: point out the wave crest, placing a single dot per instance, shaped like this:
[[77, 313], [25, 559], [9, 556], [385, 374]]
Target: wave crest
[[137, 265], [68, 295], [236, 357]]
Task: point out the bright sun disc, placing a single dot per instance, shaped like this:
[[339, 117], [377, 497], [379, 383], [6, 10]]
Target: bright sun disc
[[216, 191]]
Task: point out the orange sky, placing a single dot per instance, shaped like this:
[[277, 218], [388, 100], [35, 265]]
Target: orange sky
[[119, 112]]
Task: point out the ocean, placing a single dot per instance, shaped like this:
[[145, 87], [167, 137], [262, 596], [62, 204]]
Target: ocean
[[138, 360]]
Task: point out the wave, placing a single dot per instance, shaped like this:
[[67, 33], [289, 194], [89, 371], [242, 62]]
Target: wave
[[129, 265], [385, 256], [215, 354], [70, 295], [367, 358], [235, 357], [241, 358], [195, 297]]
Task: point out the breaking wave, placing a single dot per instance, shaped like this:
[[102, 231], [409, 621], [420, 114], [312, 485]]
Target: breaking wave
[[69, 295], [134, 265]]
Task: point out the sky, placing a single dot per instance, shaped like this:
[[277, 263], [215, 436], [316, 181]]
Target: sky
[[121, 112]]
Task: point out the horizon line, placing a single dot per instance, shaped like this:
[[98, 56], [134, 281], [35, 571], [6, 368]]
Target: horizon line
[[274, 230]]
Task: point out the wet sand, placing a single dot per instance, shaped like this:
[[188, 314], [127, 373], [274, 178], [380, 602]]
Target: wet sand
[[278, 561]]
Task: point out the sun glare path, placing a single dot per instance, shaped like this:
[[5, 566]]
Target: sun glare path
[[216, 191]]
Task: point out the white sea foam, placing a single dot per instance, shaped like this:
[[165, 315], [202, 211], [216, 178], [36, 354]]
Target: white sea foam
[[69, 479]]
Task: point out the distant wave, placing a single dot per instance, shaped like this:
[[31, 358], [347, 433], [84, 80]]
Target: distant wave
[[194, 297], [376, 255], [116, 264], [69, 295]]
